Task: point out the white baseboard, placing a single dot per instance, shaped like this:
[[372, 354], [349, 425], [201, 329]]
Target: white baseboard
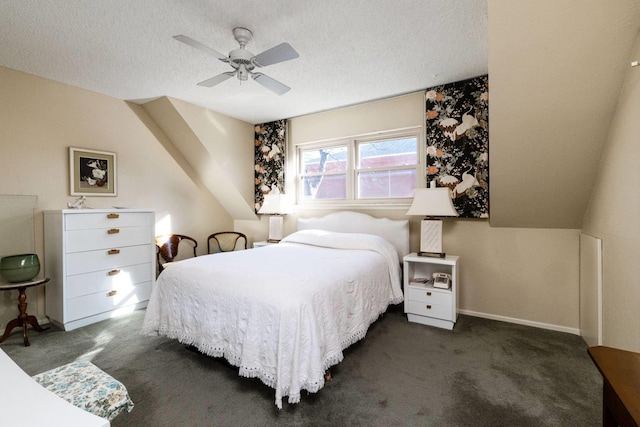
[[574, 331]]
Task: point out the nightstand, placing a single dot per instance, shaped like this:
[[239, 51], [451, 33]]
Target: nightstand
[[263, 243], [425, 303]]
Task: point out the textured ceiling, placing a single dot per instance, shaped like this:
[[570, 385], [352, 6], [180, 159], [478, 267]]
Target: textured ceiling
[[350, 51]]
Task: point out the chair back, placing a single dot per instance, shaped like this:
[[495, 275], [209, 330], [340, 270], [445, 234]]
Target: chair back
[[167, 248], [226, 241]]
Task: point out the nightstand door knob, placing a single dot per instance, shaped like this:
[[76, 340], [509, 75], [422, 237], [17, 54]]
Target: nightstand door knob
[[428, 294], [428, 307]]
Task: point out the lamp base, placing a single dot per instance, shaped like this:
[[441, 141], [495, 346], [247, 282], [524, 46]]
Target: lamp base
[[433, 254], [275, 228], [431, 236]]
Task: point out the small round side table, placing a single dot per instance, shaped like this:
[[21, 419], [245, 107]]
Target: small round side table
[[23, 319]]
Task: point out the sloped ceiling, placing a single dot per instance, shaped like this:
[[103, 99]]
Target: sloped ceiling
[[556, 68], [208, 142]]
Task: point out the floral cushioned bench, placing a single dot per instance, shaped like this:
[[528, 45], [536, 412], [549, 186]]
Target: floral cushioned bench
[[86, 386]]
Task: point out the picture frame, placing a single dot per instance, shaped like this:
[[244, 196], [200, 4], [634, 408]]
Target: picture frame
[[92, 172]]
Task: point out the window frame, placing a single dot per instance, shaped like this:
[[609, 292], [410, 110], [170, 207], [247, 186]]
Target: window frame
[[353, 170], [299, 177]]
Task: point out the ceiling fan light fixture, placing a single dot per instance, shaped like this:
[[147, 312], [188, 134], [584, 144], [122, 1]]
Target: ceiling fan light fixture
[[243, 74]]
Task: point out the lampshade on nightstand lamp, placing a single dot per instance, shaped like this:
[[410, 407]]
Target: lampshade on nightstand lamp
[[276, 205], [432, 202]]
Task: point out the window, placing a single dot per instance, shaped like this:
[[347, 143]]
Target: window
[[361, 169], [324, 172]]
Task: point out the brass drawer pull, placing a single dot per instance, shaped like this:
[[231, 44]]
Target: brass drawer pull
[[113, 216], [428, 294], [428, 307], [112, 293], [113, 231], [114, 272], [113, 251]]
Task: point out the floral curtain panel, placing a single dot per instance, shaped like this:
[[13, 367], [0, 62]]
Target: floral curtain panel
[[457, 139], [270, 143]]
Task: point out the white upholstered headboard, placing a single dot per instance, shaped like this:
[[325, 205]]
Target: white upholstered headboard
[[395, 231]]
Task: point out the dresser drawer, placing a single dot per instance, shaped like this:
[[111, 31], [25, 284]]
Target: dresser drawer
[[87, 240], [100, 302], [438, 311], [107, 280], [428, 295], [87, 221], [85, 262]]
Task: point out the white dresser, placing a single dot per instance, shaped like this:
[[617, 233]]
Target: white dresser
[[101, 263]]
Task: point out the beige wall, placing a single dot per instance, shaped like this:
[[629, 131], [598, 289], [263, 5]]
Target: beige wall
[[614, 216], [520, 275], [40, 119], [523, 275]]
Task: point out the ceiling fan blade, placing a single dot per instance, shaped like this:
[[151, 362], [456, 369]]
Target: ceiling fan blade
[[217, 79], [282, 52], [197, 45], [271, 84]]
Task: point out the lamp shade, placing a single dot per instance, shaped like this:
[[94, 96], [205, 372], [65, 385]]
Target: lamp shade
[[278, 204], [432, 202]]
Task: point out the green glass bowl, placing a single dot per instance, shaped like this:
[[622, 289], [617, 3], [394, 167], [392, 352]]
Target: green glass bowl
[[19, 268]]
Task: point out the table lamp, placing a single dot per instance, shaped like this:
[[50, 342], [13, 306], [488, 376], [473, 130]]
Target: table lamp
[[432, 202], [275, 205]]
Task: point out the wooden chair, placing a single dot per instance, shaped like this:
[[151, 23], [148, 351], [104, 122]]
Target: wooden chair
[[226, 241], [167, 248]]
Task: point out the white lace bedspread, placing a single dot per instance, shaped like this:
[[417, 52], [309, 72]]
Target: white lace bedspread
[[282, 313]]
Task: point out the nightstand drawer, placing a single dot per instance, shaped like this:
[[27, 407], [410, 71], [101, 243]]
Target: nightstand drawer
[[428, 295], [438, 311]]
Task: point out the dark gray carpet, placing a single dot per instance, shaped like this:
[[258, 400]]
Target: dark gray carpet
[[483, 373]]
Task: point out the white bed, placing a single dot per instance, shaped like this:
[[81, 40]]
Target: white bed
[[284, 313]]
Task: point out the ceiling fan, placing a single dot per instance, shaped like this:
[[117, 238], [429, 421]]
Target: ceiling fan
[[244, 62]]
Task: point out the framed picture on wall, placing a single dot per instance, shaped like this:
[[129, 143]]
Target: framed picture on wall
[[92, 173]]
